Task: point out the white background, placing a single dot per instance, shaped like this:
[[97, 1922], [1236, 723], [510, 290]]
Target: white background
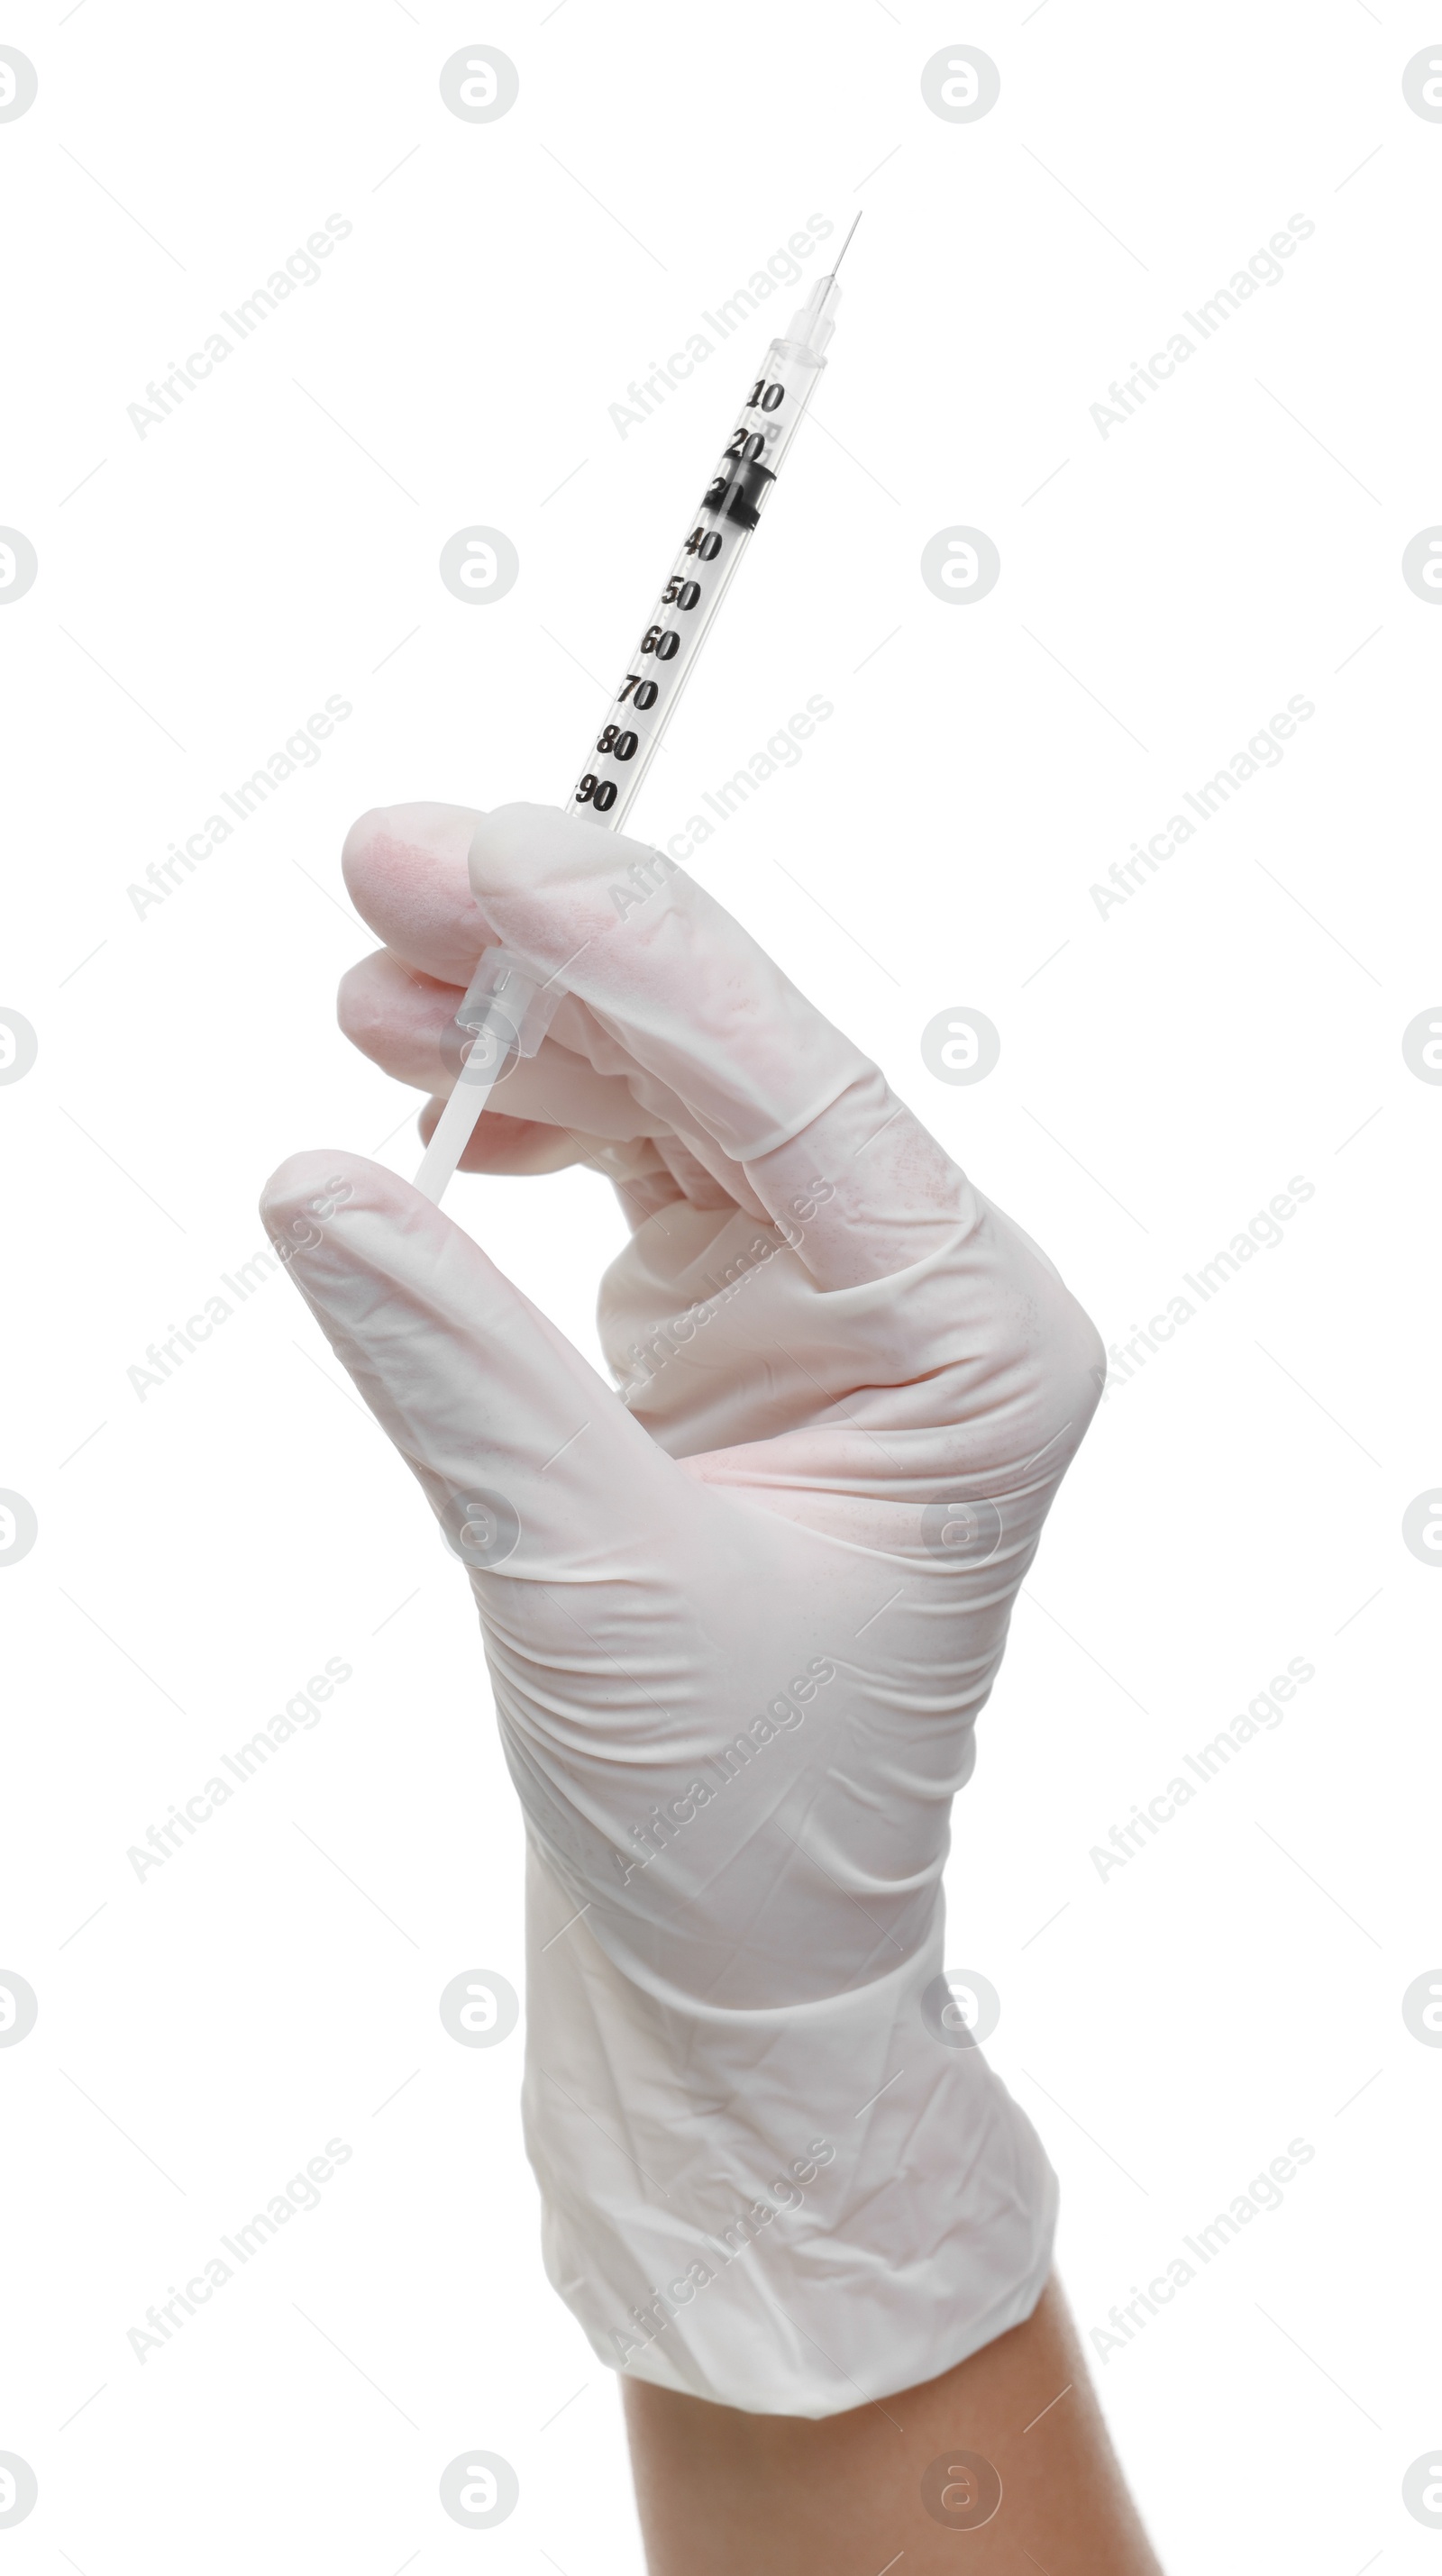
[[1165, 1069]]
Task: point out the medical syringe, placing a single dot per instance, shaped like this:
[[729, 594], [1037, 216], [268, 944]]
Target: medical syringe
[[508, 1007]]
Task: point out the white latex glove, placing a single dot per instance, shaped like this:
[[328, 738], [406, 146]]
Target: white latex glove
[[739, 1621]]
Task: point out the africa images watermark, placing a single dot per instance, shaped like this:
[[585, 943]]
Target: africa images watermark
[[1266, 1710], [301, 2192], [1264, 2191], [781, 269], [162, 1359], [1263, 751], [781, 1716], [779, 753], [789, 2191], [301, 269], [1264, 268], [301, 750], [646, 875], [1262, 1233], [302, 1710], [666, 1338], [166, 1357]]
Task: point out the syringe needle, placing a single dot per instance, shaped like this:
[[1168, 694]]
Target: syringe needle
[[508, 1008], [841, 254]]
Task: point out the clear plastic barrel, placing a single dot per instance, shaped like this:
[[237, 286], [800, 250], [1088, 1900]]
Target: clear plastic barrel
[[506, 1013], [657, 670]]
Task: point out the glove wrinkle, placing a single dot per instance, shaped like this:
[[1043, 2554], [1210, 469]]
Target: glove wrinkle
[[750, 1604]]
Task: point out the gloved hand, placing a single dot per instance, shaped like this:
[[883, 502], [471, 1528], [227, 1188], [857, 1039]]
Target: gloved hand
[[740, 1616]]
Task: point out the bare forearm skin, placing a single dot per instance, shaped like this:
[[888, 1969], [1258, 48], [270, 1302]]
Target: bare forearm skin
[[719, 2490]]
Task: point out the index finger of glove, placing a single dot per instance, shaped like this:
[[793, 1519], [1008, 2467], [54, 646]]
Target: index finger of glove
[[677, 987], [405, 872]]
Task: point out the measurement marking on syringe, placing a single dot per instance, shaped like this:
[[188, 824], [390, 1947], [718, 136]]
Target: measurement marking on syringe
[[507, 1002]]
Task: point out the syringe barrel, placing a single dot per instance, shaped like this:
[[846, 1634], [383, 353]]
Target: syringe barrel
[[716, 536], [503, 1016], [507, 1012]]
